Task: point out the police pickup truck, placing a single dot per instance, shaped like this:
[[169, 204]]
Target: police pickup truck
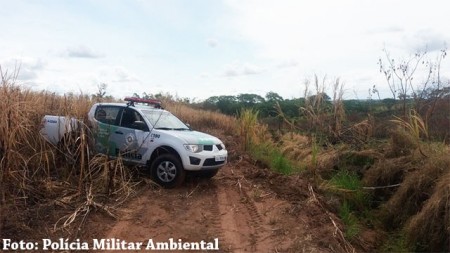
[[142, 133]]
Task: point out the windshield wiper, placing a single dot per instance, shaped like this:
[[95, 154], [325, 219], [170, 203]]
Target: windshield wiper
[[164, 128], [182, 129]]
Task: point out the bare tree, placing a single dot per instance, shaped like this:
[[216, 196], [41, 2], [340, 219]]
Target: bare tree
[[101, 92], [429, 91], [434, 89], [400, 75]]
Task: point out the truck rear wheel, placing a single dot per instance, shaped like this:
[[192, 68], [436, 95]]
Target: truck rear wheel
[[168, 171]]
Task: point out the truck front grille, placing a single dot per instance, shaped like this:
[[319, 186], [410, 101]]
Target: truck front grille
[[212, 162]]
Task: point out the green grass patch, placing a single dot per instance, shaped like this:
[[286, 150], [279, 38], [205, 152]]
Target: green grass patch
[[272, 157], [350, 221], [347, 180], [396, 242], [280, 163], [348, 186], [354, 209]]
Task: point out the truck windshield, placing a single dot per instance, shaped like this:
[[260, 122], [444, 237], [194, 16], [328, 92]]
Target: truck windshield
[[164, 120]]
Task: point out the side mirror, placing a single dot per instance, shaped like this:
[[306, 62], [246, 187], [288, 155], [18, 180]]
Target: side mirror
[[189, 126]]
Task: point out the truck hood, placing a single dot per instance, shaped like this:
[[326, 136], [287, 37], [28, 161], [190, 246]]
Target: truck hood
[[194, 137]]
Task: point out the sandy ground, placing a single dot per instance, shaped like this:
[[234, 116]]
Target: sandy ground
[[248, 209]]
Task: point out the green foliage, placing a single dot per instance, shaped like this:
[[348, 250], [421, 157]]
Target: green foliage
[[349, 186], [396, 242], [269, 155], [248, 100], [251, 134], [355, 201], [280, 163], [351, 222], [346, 180], [232, 105], [273, 97], [356, 106]]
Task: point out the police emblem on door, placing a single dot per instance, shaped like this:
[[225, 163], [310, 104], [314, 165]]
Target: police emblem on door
[[129, 139]]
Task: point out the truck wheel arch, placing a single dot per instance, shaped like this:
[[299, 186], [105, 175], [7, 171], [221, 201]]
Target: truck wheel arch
[[161, 158], [163, 150]]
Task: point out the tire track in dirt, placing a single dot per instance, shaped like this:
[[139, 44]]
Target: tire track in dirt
[[216, 222], [133, 225], [241, 222], [190, 213], [200, 211], [244, 214]]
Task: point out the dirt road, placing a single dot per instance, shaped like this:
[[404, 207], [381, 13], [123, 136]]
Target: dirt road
[[248, 209]]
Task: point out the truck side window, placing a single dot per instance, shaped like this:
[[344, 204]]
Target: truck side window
[[132, 119], [107, 114]]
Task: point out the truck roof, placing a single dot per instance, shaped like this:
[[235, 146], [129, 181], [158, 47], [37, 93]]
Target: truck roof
[[136, 106]]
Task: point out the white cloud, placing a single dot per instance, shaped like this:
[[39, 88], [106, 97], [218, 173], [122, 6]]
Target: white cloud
[[386, 29], [117, 74], [212, 42], [239, 69], [204, 75], [160, 45], [28, 68], [427, 40], [123, 75], [290, 63], [82, 51]]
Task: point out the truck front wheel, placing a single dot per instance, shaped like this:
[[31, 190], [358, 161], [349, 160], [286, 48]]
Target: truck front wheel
[[168, 171]]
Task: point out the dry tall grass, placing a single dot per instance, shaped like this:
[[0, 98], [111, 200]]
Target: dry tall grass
[[415, 194], [416, 188], [32, 171], [202, 120], [431, 226], [295, 146], [415, 127], [19, 144]]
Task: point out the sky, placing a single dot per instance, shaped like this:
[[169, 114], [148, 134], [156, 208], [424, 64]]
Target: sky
[[201, 48]]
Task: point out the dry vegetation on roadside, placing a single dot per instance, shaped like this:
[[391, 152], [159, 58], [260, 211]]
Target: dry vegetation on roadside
[[43, 181], [386, 187], [403, 183]]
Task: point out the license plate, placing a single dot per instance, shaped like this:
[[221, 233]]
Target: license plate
[[220, 158]]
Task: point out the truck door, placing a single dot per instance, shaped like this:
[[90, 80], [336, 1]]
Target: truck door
[[106, 123], [129, 136]]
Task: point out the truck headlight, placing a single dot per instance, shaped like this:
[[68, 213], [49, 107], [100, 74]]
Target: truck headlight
[[194, 148]]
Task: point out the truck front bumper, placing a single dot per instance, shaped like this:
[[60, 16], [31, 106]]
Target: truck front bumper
[[205, 160]]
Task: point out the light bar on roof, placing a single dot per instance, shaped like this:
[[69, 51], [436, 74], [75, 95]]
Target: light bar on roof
[[133, 100]]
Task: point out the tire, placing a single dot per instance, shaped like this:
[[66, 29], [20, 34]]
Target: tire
[[207, 173], [168, 171]]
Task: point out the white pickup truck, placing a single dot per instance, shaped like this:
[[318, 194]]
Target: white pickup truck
[[142, 133]]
